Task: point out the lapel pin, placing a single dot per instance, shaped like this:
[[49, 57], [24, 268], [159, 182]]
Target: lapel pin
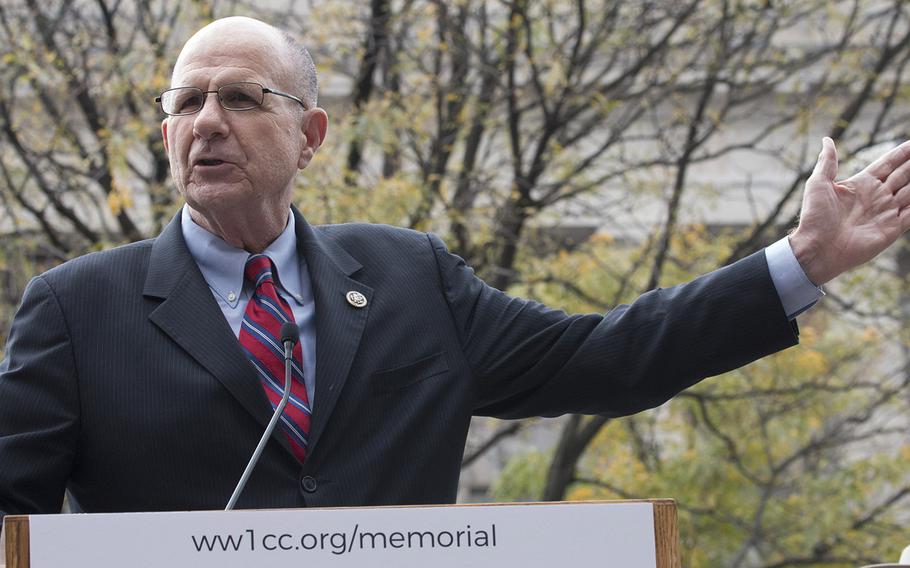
[[356, 299]]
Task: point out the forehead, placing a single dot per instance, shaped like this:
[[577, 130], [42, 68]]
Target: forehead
[[222, 57]]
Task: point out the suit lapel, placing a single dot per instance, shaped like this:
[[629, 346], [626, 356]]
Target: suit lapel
[[191, 317], [339, 325]]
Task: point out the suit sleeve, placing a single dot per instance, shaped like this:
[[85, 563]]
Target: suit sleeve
[[39, 406], [530, 360]]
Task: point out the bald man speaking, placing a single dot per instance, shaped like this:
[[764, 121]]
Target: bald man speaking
[[141, 378]]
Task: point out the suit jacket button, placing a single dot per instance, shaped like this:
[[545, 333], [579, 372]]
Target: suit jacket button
[[308, 484]]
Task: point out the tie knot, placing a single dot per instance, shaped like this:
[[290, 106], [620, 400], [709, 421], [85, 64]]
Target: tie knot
[[258, 269]]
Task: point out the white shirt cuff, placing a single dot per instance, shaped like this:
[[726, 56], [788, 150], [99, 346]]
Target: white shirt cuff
[[797, 293]]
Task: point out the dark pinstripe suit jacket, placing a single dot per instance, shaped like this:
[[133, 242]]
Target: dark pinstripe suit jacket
[[123, 383]]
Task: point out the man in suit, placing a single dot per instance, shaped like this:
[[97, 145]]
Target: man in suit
[[135, 379]]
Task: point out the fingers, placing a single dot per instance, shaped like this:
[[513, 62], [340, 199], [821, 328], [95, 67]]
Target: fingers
[[889, 162], [902, 197], [826, 166], [898, 179], [901, 201], [904, 216]]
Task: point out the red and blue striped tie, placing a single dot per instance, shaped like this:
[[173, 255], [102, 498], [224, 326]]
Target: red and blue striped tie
[[260, 337]]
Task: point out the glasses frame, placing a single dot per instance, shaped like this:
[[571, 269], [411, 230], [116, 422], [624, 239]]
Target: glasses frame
[[205, 94]]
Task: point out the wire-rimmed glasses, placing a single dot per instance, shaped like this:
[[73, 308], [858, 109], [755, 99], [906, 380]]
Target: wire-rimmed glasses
[[181, 101]]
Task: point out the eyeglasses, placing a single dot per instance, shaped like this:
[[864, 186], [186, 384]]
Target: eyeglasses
[[181, 101]]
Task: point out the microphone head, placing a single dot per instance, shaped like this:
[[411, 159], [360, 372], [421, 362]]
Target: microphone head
[[290, 332]]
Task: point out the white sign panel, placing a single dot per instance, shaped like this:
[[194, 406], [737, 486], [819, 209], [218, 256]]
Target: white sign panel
[[531, 536]]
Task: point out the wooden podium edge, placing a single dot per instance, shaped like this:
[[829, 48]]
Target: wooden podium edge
[[666, 533], [15, 530], [666, 530]]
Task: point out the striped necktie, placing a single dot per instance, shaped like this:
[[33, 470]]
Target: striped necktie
[[260, 337]]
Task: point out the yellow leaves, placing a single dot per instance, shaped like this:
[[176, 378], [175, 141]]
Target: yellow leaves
[[693, 234], [160, 81], [581, 493], [603, 238], [424, 34], [119, 198], [814, 422], [114, 202], [515, 22], [603, 104], [553, 79], [869, 335], [810, 362], [711, 500], [808, 336], [715, 116]]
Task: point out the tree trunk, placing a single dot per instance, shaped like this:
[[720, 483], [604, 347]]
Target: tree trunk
[[576, 435], [373, 46]]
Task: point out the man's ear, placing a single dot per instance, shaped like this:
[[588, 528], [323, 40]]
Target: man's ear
[[315, 125], [164, 133]]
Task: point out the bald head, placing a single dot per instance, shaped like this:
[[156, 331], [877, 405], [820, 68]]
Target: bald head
[[293, 65]]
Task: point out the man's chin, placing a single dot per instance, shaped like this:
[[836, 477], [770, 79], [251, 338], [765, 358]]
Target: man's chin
[[221, 188]]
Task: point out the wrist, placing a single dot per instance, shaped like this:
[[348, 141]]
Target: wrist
[[807, 253]]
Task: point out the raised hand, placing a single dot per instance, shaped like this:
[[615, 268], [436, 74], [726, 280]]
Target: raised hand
[[846, 223]]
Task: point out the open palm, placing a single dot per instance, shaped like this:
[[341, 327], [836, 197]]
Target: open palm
[[846, 223]]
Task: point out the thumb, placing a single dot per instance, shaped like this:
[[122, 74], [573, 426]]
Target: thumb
[[826, 166]]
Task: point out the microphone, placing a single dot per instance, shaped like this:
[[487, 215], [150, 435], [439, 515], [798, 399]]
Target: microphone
[[290, 335]]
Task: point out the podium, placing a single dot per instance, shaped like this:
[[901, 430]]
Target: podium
[[607, 533]]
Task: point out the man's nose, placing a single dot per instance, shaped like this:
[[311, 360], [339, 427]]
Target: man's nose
[[211, 120]]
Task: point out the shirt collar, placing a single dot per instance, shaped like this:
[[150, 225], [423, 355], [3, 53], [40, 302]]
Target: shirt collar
[[222, 264]]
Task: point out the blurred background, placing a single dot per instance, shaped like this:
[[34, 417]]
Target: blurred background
[[576, 152]]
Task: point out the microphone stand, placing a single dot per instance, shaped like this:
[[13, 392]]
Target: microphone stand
[[290, 335]]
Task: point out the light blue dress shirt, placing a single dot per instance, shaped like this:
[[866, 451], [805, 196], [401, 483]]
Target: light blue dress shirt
[[797, 293], [222, 267]]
